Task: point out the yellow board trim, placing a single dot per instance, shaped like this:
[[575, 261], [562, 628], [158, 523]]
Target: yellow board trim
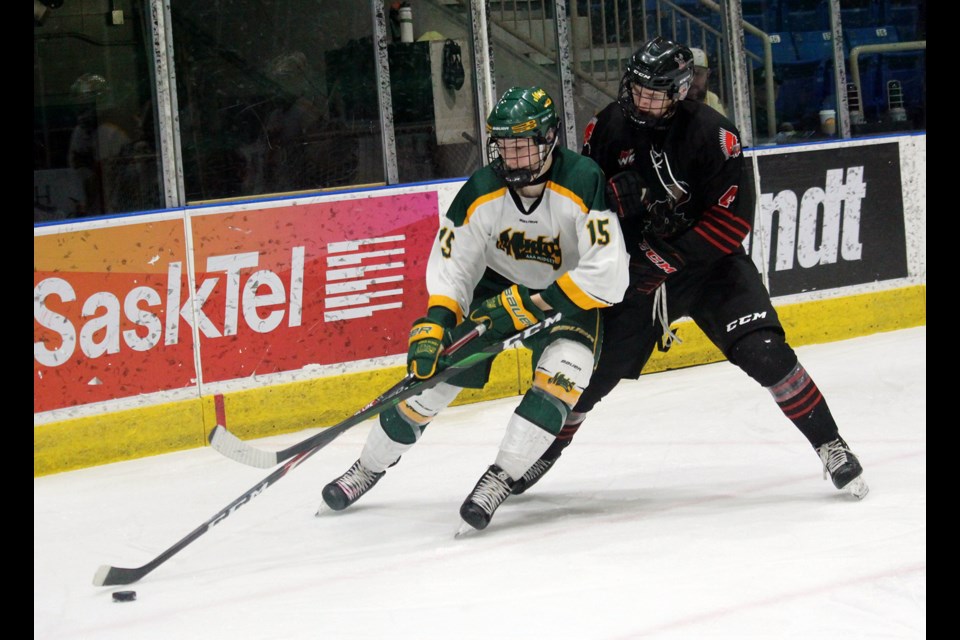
[[135, 433]]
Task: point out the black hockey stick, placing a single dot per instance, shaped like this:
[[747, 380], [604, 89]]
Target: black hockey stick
[[108, 575], [233, 447]]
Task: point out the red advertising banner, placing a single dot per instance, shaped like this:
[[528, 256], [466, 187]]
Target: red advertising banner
[[276, 289], [111, 314], [316, 284]]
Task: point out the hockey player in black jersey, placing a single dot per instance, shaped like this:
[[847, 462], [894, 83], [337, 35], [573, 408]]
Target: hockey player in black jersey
[[676, 177]]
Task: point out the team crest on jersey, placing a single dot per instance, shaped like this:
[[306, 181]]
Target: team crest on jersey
[[540, 249], [626, 158], [729, 143]]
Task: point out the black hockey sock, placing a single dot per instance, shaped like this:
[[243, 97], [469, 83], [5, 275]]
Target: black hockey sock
[[800, 400], [562, 441]]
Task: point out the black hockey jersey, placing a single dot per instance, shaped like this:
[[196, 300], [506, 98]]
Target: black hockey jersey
[[697, 158]]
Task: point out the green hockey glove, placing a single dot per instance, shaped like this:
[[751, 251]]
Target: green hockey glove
[[509, 311], [427, 340]]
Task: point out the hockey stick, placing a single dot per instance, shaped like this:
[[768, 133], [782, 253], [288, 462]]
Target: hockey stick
[[233, 447], [108, 575]]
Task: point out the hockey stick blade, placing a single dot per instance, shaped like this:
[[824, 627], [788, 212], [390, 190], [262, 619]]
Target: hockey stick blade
[[236, 449], [233, 447], [108, 575], [228, 444]]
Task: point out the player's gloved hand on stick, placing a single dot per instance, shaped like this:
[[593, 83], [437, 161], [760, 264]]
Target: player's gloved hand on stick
[[427, 340], [629, 197], [625, 194], [652, 265], [508, 312]]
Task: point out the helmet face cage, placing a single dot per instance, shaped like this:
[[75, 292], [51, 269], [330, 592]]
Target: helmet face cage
[[659, 65], [519, 161], [522, 132]]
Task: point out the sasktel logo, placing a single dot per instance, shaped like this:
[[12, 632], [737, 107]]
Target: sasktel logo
[[821, 227], [353, 275]]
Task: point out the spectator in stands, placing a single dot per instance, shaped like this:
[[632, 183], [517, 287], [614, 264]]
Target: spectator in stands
[[299, 146], [699, 90], [785, 130], [96, 142]]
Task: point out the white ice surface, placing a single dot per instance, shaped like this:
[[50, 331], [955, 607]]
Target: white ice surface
[[687, 507]]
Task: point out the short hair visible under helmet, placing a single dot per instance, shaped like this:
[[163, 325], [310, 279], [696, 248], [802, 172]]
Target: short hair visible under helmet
[[660, 65]]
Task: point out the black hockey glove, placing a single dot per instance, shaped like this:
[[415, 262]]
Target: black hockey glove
[[652, 265], [663, 220], [625, 192], [628, 195]]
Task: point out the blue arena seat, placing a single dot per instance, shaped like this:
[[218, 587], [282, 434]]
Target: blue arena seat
[[804, 15], [904, 15], [781, 47], [860, 13], [813, 45], [763, 14], [859, 36]]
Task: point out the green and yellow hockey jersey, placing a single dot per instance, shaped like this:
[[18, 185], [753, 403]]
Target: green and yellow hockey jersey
[[566, 240]]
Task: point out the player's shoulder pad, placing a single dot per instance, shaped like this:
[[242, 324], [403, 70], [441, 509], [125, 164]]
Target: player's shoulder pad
[[593, 133], [482, 185], [580, 175], [716, 133]]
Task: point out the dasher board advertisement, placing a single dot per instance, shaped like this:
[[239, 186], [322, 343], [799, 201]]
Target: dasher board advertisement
[[275, 289], [830, 218]]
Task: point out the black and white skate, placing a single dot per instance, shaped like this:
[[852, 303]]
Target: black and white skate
[[532, 476], [347, 489], [492, 489], [843, 467]]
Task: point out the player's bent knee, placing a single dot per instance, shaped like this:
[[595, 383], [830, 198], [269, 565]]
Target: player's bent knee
[[406, 421], [764, 355], [543, 410], [562, 373]]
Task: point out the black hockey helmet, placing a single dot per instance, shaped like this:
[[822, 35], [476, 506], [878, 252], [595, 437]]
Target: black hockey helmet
[[522, 113], [660, 65]]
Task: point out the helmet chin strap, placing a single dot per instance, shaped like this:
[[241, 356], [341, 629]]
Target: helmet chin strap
[[541, 177], [546, 162]]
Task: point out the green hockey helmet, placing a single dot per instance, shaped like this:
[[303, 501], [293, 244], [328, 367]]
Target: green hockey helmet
[[522, 113]]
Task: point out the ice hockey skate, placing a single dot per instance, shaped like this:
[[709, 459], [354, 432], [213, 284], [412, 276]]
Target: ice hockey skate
[[347, 489], [532, 476], [491, 490], [844, 468]]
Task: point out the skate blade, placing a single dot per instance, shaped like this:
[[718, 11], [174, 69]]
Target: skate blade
[[464, 530], [322, 510], [857, 488]]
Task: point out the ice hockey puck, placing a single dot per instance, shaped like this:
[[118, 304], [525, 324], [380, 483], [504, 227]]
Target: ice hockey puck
[[124, 596]]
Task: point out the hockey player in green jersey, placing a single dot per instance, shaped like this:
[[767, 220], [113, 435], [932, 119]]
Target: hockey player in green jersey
[[527, 235]]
